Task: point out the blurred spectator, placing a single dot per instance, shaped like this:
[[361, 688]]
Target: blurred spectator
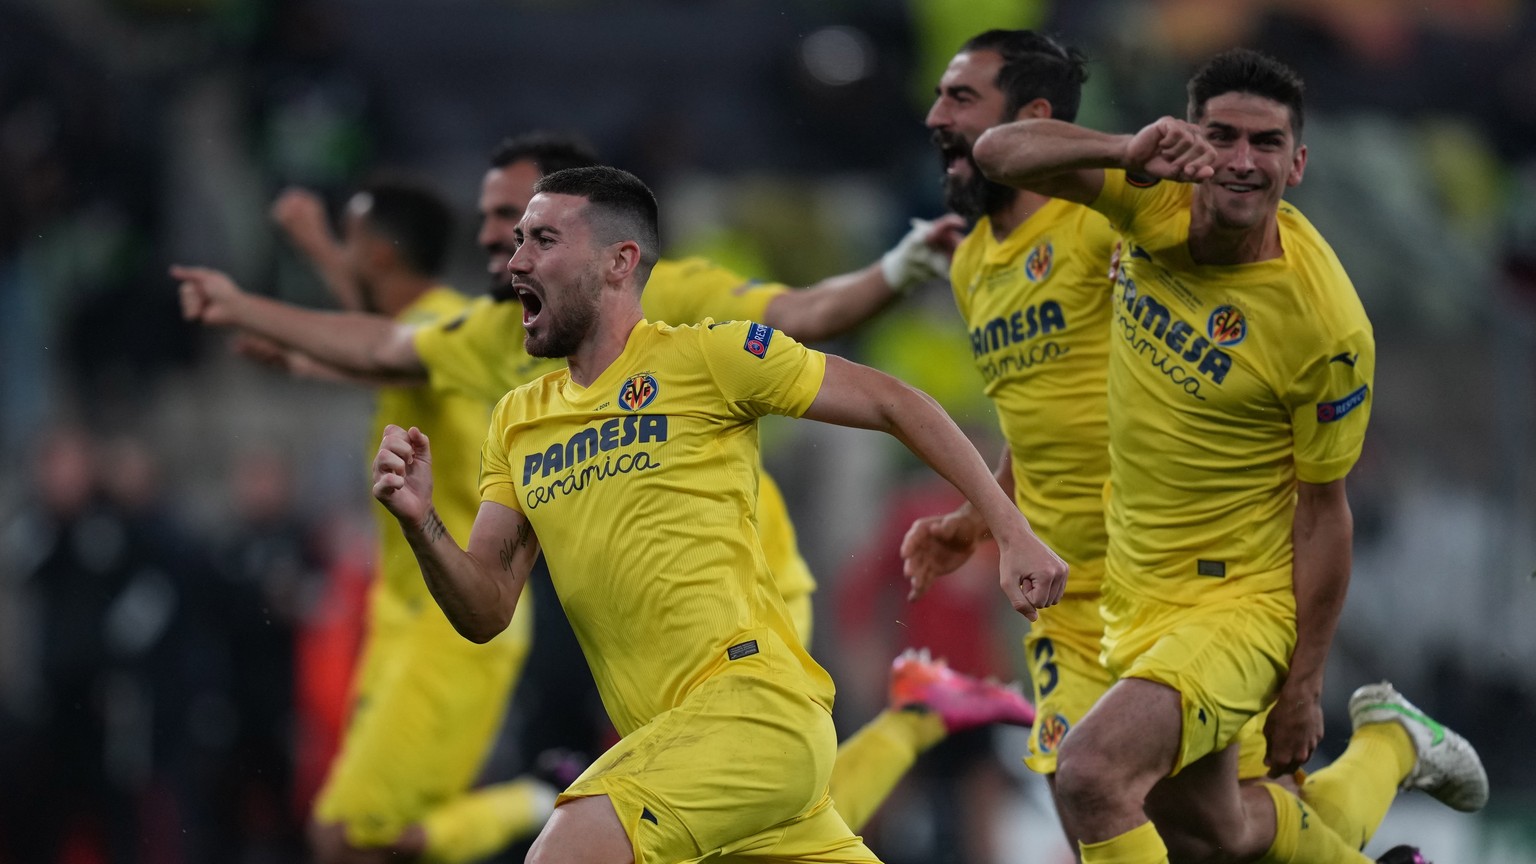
[[947, 807]]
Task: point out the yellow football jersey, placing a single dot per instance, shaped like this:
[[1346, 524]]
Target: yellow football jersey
[[455, 424], [1227, 385], [642, 490], [1037, 306], [480, 353]]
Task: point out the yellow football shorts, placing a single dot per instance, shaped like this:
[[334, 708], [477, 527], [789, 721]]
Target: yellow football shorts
[[1063, 653], [426, 706], [739, 770], [1226, 658]]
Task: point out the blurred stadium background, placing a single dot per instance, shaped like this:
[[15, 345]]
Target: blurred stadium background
[[170, 683]]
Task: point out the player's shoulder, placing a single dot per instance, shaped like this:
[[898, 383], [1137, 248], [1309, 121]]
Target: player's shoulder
[[434, 306], [1321, 277], [525, 400]]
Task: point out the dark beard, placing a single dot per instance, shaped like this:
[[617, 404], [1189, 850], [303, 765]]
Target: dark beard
[[564, 335], [976, 196]]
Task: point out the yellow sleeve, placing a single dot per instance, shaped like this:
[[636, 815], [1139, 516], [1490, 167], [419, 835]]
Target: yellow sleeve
[[1330, 405], [760, 370], [461, 353], [1125, 198], [693, 289], [496, 481]]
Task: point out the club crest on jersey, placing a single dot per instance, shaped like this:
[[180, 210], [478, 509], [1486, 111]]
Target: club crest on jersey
[[1227, 326], [1052, 730], [1038, 265], [638, 392], [1327, 412], [758, 337]]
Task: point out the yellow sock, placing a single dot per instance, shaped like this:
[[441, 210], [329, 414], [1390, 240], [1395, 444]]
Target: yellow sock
[[1140, 845], [871, 762], [1352, 795], [482, 822], [1303, 838]]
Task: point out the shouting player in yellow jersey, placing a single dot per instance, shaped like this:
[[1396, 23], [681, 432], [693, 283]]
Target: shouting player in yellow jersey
[[481, 353], [1031, 282], [636, 469], [1239, 386]]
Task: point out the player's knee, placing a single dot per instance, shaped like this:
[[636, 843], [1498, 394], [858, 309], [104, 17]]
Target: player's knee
[[1087, 781]]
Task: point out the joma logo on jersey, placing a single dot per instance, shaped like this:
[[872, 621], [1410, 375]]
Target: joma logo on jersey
[[1038, 265], [1227, 326], [611, 434], [637, 392], [1148, 316], [1022, 325]]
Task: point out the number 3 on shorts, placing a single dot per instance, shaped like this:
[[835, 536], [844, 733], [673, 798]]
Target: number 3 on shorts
[[1045, 666]]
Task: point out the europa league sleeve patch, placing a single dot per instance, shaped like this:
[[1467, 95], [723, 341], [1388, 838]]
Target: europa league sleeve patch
[[758, 337]]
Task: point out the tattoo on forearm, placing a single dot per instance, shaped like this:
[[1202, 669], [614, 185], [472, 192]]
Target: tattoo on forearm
[[433, 526], [523, 532]]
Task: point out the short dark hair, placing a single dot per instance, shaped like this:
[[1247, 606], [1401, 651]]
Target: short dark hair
[[1243, 70], [415, 218], [1035, 66], [619, 206], [550, 151]]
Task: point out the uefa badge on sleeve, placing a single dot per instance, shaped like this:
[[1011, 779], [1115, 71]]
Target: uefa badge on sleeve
[[758, 337]]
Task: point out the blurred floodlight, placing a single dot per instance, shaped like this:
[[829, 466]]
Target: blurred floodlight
[[837, 56]]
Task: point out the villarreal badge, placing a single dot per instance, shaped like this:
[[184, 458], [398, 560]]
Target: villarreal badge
[[1227, 326], [637, 392], [1038, 265], [1052, 730]]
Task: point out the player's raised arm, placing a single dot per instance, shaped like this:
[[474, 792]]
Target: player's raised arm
[[477, 588], [852, 395], [1064, 160], [300, 214], [839, 303], [357, 342]]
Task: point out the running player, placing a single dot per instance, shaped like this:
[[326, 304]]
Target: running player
[[1239, 385], [728, 743], [481, 353]]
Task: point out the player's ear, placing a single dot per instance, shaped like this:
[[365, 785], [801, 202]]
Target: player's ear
[[1298, 166], [624, 259], [1034, 109]]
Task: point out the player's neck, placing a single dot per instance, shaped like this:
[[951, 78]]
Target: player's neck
[[1210, 243], [607, 340], [1024, 205]]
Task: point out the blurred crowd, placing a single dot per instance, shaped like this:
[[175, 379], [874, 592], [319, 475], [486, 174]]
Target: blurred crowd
[[183, 540]]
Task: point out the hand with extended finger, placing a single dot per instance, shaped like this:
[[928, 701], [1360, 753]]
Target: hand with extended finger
[[936, 545], [207, 296], [402, 474], [1031, 574], [1170, 149]]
